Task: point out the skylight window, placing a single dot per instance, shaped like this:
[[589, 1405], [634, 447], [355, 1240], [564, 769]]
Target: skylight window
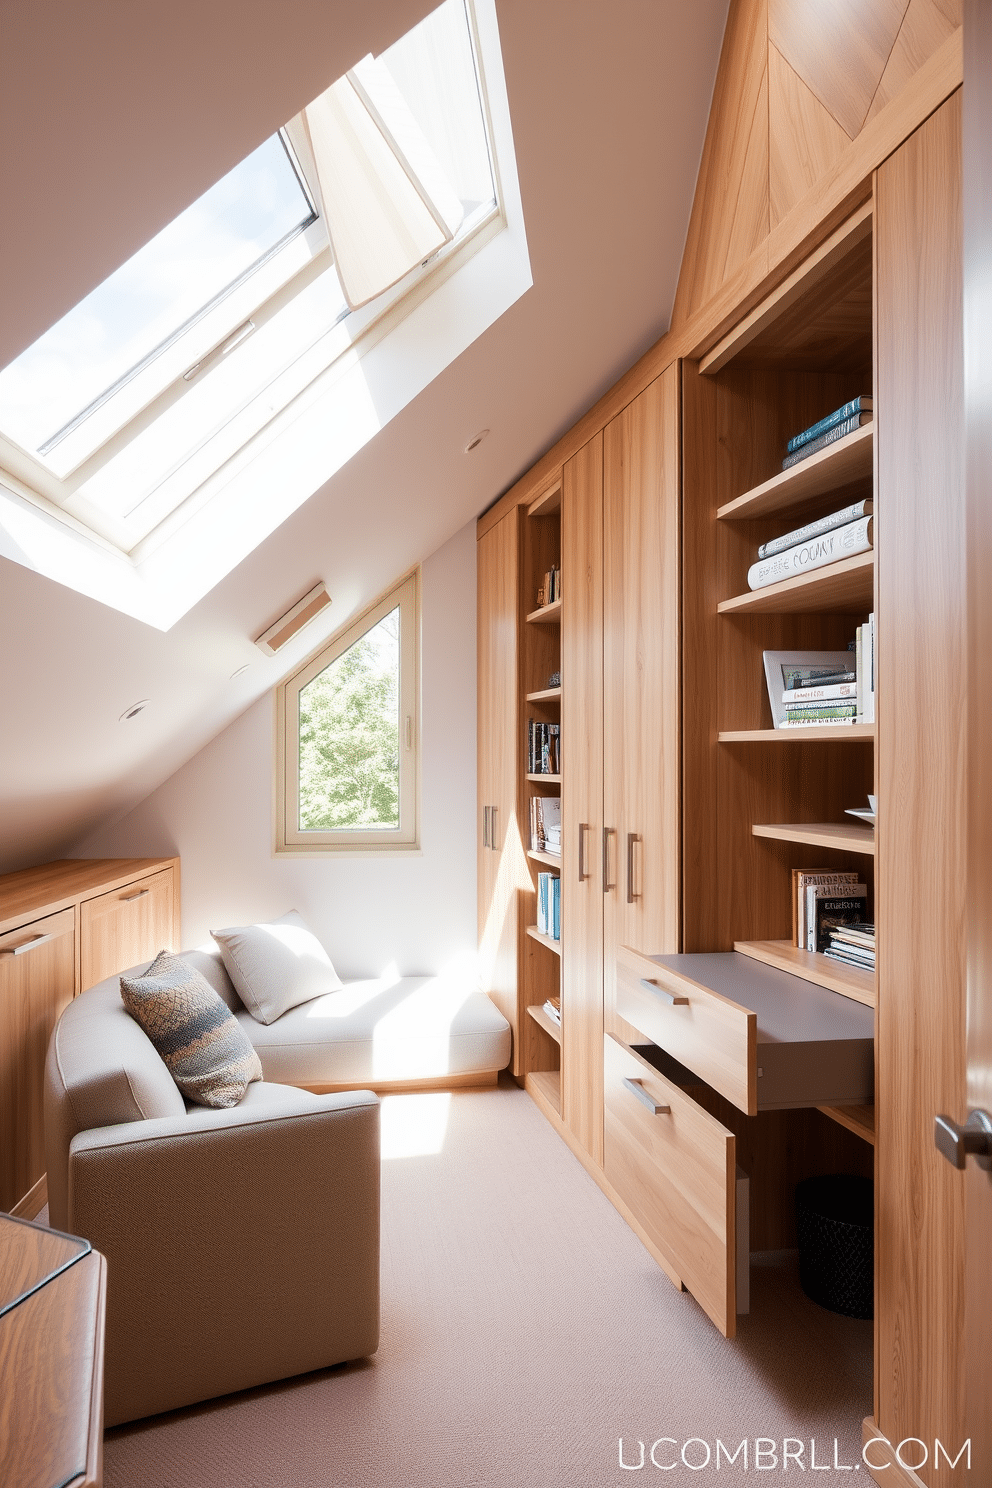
[[163, 391]]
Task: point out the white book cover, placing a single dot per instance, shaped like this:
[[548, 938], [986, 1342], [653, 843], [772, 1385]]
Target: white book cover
[[830, 547]]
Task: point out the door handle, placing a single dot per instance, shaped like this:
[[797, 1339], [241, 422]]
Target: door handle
[[659, 991], [25, 945], [637, 1090], [583, 829], [130, 898], [956, 1142], [608, 832], [485, 826], [492, 828], [632, 837]]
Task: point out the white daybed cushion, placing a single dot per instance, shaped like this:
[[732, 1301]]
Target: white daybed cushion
[[413, 1028], [276, 966]]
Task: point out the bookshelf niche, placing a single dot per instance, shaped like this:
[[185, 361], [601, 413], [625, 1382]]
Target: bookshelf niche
[[540, 711], [759, 801]]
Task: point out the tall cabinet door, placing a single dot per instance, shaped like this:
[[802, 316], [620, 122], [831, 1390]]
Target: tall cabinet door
[[499, 843], [641, 762], [582, 796]]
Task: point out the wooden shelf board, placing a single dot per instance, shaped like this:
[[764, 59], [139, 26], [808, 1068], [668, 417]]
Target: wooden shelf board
[[848, 460], [849, 981], [545, 940], [544, 857], [546, 695], [549, 779], [855, 733], [858, 1119], [545, 1021], [545, 1088], [821, 834], [547, 503], [546, 615], [841, 588]]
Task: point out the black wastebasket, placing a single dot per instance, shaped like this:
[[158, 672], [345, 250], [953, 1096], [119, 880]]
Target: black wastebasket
[[836, 1231]]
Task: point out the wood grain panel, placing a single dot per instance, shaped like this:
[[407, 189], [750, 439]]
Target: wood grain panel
[[839, 50], [927, 25], [641, 691], [582, 797], [502, 866], [51, 886], [126, 926], [804, 138], [730, 209], [35, 985], [922, 817], [676, 1172]]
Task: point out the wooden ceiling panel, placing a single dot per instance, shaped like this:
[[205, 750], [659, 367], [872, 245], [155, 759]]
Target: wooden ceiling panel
[[927, 25], [804, 139], [839, 48]]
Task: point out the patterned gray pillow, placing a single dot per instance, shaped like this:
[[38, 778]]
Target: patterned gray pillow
[[202, 1044]]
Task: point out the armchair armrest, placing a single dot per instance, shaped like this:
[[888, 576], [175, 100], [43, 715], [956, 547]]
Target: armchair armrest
[[242, 1245]]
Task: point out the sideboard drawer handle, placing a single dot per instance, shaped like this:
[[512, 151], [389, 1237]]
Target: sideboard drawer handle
[[130, 898], [637, 1090], [25, 945], [663, 993]]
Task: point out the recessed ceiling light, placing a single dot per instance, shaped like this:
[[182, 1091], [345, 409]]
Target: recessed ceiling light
[[241, 671], [476, 441], [134, 710]]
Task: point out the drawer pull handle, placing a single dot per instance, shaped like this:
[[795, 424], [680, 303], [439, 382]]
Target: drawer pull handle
[[632, 837], [130, 898], [583, 829], [671, 998], [25, 945], [485, 826], [637, 1090], [608, 832]]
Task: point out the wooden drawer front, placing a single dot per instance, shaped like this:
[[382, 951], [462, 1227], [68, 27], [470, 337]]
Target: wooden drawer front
[[37, 977], [127, 926], [676, 1172], [709, 1034]]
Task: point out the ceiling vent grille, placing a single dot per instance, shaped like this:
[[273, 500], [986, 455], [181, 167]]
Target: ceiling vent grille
[[290, 624]]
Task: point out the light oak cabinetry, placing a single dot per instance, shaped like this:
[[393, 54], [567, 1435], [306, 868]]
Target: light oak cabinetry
[[63, 927]]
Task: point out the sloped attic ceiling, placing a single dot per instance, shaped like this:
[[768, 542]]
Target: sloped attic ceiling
[[114, 118]]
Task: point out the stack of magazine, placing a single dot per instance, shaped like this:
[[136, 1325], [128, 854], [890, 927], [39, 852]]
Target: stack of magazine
[[821, 903], [807, 689], [545, 824], [854, 944]]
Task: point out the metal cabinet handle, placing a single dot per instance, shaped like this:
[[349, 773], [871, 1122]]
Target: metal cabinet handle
[[485, 826], [608, 832], [632, 837], [636, 1088], [659, 991], [583, 828], [492, 828], [130, 898], [956, 1142], [25, 945]]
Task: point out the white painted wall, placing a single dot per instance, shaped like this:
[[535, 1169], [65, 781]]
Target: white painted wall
[[215, 813]]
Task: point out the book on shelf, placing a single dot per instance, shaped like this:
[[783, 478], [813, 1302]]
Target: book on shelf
[[853, 944], [835, 883], [553, 1009], [550, 590], [543, 748], [838, 712], [545, 824], [816, 529], [817, 552], [788, 674], [549, 905], [864, 640], [862, 404], [825, 907], [820, 694], [814, 446]]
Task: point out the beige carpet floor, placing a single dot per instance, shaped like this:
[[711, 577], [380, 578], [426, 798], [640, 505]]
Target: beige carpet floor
[[525, 1330]]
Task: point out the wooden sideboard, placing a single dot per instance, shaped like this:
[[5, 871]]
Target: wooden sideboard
[[52, 1304], [64, 927]]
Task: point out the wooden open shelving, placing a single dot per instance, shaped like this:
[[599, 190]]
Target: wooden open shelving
[[837, 835], [858, 1119], [812, 966], [544, 857], [854, 733], [839, 465], [545, 1021], [545, 940], [546, 695], [545, 1088], [546, 614], [546, 779], [841, 588]]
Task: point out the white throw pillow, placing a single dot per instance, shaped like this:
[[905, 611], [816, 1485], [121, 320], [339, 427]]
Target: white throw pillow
[[276, 966]]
